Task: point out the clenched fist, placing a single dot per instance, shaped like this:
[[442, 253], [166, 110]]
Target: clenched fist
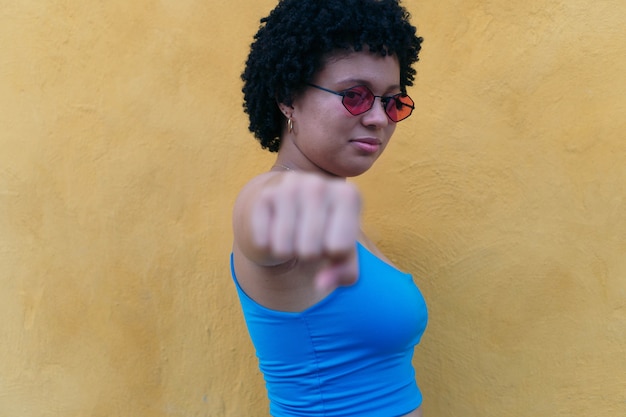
[[304, 216]]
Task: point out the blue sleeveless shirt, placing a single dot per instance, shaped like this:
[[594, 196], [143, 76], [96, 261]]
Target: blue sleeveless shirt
[[348, 355]]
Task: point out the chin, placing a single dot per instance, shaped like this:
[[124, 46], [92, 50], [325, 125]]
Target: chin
[[355, 171]]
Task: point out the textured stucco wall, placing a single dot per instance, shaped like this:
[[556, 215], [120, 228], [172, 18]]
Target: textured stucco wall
[[122, 145]]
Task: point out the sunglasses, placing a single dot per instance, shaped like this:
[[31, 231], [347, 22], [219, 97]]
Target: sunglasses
[[359, 99]]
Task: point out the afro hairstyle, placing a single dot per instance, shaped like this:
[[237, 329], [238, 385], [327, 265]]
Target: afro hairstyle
[[293, 40]]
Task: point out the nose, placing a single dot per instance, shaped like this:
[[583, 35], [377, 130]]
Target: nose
[[376, 116]]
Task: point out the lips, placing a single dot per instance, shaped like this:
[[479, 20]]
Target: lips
[[367, 145]]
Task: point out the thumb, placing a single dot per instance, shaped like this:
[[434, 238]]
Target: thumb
[[338, 272]]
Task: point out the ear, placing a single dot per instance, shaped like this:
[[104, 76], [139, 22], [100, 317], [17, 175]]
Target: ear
[[287, 110]]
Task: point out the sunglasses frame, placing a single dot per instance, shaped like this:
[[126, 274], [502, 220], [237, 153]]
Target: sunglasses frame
[[384, 100]]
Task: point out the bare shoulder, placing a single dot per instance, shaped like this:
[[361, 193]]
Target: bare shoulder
[[284, 287]]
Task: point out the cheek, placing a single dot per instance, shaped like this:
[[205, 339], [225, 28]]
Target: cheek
[[323, 109], [327, 122]]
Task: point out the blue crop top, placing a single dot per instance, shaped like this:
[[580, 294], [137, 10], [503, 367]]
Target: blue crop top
[[348, 355]]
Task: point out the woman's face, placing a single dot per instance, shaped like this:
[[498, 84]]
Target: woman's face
[[326, 136]]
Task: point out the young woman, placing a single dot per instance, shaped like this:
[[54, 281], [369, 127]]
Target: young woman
[[334, 324]]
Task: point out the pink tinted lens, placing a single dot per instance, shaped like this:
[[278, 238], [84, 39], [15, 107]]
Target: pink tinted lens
[[358, 100]]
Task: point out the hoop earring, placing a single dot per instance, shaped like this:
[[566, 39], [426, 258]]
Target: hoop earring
[[290, 125]]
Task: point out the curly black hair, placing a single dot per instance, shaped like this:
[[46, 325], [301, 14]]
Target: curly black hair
[[292, 41]]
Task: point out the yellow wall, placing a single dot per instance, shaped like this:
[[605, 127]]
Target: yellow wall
[[122, 146]]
